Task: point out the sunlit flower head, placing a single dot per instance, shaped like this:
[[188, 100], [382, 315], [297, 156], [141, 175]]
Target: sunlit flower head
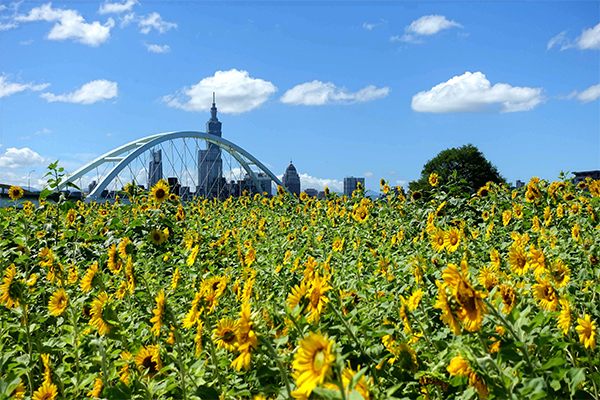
[[433, 179], [438, 241], [58, 302], [518, 261], [452, 240], [564, 318], [97, 314], [508, 297], [312, 362], [160, 192], [148, 360], [225, 334], [158, 313], [587, 331], [48, 391], [545, 295], [10, 290]]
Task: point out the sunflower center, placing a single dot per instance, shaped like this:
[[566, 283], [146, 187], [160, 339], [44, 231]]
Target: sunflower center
[[228, 336], [440, 241], [149, 364], [521, 262], [315, 296], [453, 240], [156, 237], [319, 360], [160, 193]]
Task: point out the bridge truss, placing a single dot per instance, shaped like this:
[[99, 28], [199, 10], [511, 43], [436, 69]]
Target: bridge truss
[[186, 159]]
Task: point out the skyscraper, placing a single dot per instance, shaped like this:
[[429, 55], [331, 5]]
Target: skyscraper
[[210, 164], [291, 179], [351, 183], [155, 171]]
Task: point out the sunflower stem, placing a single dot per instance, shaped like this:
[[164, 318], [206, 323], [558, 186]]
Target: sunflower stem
[[75, 344], [215, 361], [587, 352], [341, 382], [282, 370]]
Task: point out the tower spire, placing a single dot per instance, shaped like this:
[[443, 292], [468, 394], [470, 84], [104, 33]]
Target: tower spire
[[213, 110]]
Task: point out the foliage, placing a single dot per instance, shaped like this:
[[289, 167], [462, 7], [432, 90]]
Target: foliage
[[493, 295], [468, 162]]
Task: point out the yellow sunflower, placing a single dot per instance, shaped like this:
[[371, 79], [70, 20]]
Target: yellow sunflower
[[125, 248], [433, 179], [298, 292], [508, 297], [160, 191], [97, 389], [506, 215], [360, 214], [193, 255], [545, 294], [148, 360], [97, 319], [86, 281], [338, 244], [564, 318], [460, 367], [48, 391], [71, 216], [443, 304], [225, 334], [488, 278], [114, 262], [317, 297], [10, 290], [560, 273], [158, 313], [518, 261], [312, 363], [452, 240], [15, 192], [58, 302], [587, 331], [157, 237], [438, 241]]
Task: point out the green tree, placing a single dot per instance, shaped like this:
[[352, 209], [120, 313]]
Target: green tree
[[472, 169]]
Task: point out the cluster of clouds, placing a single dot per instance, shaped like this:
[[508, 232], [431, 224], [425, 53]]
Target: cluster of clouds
[[427, 25], [15, 158], [71, 25], [239, 92], [89, 93], [588, 40]]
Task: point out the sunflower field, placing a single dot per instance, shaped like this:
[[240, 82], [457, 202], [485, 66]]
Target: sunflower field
[[441, 295]]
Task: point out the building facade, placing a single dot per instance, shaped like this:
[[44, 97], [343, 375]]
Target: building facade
[[581, 176], [155, 170], [351, 184], [291, 179], [210, 163]]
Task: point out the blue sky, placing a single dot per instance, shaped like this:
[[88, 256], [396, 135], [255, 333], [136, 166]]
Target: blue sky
[[372, 89]]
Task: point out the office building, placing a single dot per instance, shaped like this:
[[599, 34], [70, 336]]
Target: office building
[[351, 184], [291, 179], [210, 164], [155, 170]]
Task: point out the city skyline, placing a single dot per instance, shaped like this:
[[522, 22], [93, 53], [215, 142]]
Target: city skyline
[[353, 89]]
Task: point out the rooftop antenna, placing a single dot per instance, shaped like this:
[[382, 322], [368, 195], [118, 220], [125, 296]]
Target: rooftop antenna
[[213, 97]]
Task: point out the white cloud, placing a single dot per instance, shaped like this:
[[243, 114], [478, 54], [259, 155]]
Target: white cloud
[[127, 19], [393, 173], [26, 42], [7, 26], [589, 94], [8, 88], [155, 21], [317, 93], [311, 182], [472, 92], [117, 8], [236, 93], [370, 27], [89, 93], [368, 174], [401, 183], [155, 48], [425, 26], [17, 158], [43, 132], [589, 39], [70, 25]]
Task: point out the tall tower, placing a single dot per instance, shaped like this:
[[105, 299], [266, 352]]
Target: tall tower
[[155, 172], [210, 164], [291, 179]]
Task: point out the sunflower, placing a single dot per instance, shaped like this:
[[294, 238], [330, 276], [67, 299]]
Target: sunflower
[[312, 363], [97, 390], [157, 237], [538, 261], [416, 195], [97, 319], [160, 191], [86, 281], [71, 216], [192, 317], [15, 192], [545, 294], [433, 179], [10, 290], [506, 215], [114, 262], [250, 256], [518, 261], [443, 304], [488, 278], [148, 360], [508, 297], [587, 331], [48, 391], [483, 191], [460, 367], [125, 248], [438, 241], [158, 313], [560, 273], [58, 302], [338, 244], [73, 276], [575, 232], [246, 338], [452, 240], [298, 292], [175, 279], [413, 301], [564, 318], [485, 215], [317, 297], [360, 214], [472, 308], [18, 392], [225, 334]]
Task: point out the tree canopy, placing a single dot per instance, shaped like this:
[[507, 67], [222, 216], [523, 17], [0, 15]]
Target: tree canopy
[[469, 163]]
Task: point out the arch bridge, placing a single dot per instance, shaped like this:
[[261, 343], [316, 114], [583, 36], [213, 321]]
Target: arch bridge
[[196, 164]]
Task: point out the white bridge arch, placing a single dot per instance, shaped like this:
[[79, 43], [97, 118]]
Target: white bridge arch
[[125, 154]]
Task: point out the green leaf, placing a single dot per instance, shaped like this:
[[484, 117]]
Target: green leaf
[[328, 394], [206, 392], [576, 376], [354, 381], [45, 193]]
